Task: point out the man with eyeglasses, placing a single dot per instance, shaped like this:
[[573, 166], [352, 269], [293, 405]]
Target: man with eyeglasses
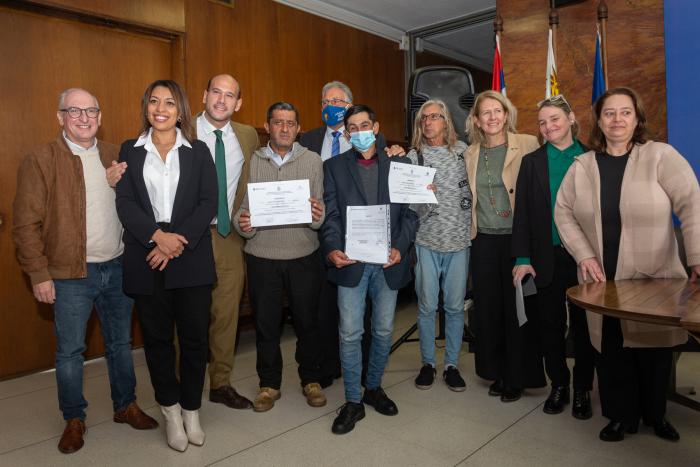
[[68, 240], [285, 258], [360, 177]]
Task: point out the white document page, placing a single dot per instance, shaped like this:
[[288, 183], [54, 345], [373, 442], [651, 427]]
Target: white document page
[[279, 203], [368, 235], [409, 183]]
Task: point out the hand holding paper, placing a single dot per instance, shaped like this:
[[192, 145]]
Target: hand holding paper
[[410, 184]]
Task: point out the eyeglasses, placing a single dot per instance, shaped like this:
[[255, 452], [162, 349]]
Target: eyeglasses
[[75, 112], [283, 123], [335, 101], [554, 99], [431, 117]]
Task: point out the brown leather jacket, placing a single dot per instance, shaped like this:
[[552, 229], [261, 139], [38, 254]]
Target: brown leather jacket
[[49, 211]]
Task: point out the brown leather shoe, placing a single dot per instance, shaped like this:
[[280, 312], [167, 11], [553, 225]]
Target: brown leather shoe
[[314, 395], [265, 400], [72, 437], [135, 417], [229, 397]]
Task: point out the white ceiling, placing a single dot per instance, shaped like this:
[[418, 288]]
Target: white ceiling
[[392, 19]]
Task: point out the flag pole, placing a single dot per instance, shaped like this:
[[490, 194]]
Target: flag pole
[[603, 21], [554, 26], [498, 26]]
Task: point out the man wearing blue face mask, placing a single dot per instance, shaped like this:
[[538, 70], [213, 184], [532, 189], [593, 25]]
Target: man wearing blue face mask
[[328, 140], [359, 177]]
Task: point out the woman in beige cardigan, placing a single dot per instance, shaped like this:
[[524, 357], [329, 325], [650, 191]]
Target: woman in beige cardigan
[[493, 161], [614, 209]]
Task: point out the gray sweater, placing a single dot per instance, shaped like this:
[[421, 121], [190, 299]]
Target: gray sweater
[[445, 227], [284, 241]]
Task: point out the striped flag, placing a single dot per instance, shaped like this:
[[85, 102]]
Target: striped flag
[[498, 81], [598, 76], [552, 85]]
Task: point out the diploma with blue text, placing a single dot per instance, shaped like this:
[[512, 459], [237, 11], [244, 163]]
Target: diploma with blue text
[[368, 233], [279, 203]]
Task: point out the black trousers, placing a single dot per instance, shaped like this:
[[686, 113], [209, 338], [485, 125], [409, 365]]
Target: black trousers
[[503, 350], [328, 316], [186, 309], [551, 307], [267, 281], [632, 381]]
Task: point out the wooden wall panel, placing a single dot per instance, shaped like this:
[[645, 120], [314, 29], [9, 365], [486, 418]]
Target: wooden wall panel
[[635, 56], [41, 56], [160, 14], [280, 53]]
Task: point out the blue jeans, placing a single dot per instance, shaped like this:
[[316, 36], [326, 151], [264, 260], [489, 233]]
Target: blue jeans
[[74, 301], [351, 303], [446, 271]]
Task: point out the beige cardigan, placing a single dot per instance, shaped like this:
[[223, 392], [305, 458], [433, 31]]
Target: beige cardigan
[[518, 146], [657, 181]]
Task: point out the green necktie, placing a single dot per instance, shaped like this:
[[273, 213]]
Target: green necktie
[[223, 223]]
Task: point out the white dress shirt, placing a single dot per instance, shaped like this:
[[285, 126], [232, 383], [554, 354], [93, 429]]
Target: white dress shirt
[[327, 148], [161, 177], [279, 160], [232, 152]]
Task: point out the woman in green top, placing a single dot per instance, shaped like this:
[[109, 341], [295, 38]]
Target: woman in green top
[[540, 254]]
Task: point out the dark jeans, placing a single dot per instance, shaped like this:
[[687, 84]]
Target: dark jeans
[[267, 281], [551, 304], [74, 301], [632, 381], [187, 310]]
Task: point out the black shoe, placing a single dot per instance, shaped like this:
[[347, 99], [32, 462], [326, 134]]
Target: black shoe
[[665, 430], [557, 399], [349, 414], [510, 394], [453, 379], [425, 378], [615, 431], [581, 408], [496, 388], [378, 399]]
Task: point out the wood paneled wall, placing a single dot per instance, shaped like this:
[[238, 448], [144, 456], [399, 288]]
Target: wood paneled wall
[[635, 56], [114, 49], [280, 53]]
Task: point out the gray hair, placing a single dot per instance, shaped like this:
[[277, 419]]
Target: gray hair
[[64, 94], [282, 106], [337, 84]]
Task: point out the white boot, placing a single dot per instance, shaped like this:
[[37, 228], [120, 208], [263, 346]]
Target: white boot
[[174, 429], [192, 427]]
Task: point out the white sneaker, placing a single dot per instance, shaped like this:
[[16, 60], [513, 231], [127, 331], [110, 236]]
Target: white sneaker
[[195, 435], [174, 428]]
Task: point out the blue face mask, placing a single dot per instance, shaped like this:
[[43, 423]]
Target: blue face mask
[[362, 140], [333, 115]]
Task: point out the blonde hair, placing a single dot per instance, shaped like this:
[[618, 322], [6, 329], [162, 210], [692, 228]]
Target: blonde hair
[[560, 102], [476, 134], [418, 140]]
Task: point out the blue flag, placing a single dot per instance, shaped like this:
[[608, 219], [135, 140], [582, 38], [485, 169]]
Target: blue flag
[[598, 76]]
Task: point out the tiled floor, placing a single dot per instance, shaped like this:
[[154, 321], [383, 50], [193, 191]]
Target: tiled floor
[[434, 428]]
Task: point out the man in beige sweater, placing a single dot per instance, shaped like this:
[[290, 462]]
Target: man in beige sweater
[[285, 258], [68, 241]]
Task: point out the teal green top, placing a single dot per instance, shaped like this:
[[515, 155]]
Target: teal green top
[[490, 165], [558, 163]]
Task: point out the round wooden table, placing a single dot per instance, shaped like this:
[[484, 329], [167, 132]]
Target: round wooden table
[[673, 302]]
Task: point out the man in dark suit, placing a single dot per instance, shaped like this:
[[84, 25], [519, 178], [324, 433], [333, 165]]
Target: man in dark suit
[[359, 177], [231, 144]]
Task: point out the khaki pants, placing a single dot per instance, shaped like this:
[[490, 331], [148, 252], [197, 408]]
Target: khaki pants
[[226, 298]]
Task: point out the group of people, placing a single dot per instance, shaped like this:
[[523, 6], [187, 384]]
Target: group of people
[[163, 225]]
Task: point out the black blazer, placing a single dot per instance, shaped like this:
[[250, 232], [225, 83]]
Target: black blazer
[[532, 221], [313, 139], [342, 187], [194, 207]]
